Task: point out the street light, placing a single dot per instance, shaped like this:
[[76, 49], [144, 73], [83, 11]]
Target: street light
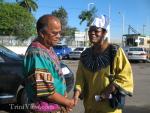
[[122, 26], [86, 31], [89, 4]]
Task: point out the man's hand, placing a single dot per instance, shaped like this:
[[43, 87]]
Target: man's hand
[[69, 105]]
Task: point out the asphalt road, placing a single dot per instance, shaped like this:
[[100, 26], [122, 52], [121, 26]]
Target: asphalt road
[[139, 103]]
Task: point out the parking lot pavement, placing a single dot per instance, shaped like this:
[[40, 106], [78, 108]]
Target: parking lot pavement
[[139, 103]]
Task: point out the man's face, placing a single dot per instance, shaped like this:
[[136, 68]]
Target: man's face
[[52, 34], [96, 35]]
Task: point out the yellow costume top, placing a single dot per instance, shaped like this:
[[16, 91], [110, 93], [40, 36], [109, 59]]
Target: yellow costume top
[[92, 77]]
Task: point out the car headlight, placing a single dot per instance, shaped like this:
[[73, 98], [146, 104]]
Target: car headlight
[[65, 70]]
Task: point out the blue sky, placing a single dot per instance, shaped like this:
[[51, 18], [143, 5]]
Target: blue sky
[[136, 13]]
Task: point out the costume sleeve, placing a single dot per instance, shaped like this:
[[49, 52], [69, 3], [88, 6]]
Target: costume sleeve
[[79, 85], [38, 74], [123, 72]]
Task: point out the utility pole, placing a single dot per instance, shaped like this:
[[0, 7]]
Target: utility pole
[[143, 28], [109, 9], [122, 15], [86, 31]]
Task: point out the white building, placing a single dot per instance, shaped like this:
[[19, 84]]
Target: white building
[[137, 40], [81, 39]]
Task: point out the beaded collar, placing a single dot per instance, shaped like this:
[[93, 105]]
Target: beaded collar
[[97, 62]]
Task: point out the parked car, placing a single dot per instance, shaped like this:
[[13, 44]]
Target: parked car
[[75, 54], [137, 54], [62, 51], [126, 49], [69, 77], [12, 79]]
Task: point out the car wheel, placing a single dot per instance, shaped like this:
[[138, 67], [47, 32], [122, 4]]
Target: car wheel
[[67, 56], [23, 101], [144, 61]]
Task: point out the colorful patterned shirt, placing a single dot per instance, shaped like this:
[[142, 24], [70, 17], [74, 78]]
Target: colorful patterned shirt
[[43, 72]]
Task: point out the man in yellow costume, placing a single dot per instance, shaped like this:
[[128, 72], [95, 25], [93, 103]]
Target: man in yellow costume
[[94, 67]]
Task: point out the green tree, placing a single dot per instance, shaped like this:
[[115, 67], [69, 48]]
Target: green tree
[[62, 14], [1, 1], [30, 5], [16, 21], [70, 31], [88, 16]]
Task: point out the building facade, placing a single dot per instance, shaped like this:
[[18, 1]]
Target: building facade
[[137, 40]]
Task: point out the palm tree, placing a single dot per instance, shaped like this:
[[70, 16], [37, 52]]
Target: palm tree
[[62, 14], [30, 5], [1, 1], [88, 16]]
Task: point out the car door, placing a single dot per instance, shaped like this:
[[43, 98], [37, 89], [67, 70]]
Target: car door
[[10, 74]]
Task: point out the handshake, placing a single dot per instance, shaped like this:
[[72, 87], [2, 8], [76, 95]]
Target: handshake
[[106, 94], [72, 102]]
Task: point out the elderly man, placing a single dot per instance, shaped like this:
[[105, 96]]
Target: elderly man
[[45, 82], [94, 70]]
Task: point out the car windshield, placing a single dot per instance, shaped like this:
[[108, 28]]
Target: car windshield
[[9, 53], [135, 49], [79, 49]]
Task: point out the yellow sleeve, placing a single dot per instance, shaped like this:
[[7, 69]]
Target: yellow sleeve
[[79, 84], [123, 72]]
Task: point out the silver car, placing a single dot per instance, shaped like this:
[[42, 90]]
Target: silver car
[[137, 53], [75, 54]]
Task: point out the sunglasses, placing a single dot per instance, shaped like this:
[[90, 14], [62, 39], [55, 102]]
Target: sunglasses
[[95, 29]]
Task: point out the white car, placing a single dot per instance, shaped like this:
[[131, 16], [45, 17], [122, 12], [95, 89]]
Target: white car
[[75, 54], [137, 53]]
